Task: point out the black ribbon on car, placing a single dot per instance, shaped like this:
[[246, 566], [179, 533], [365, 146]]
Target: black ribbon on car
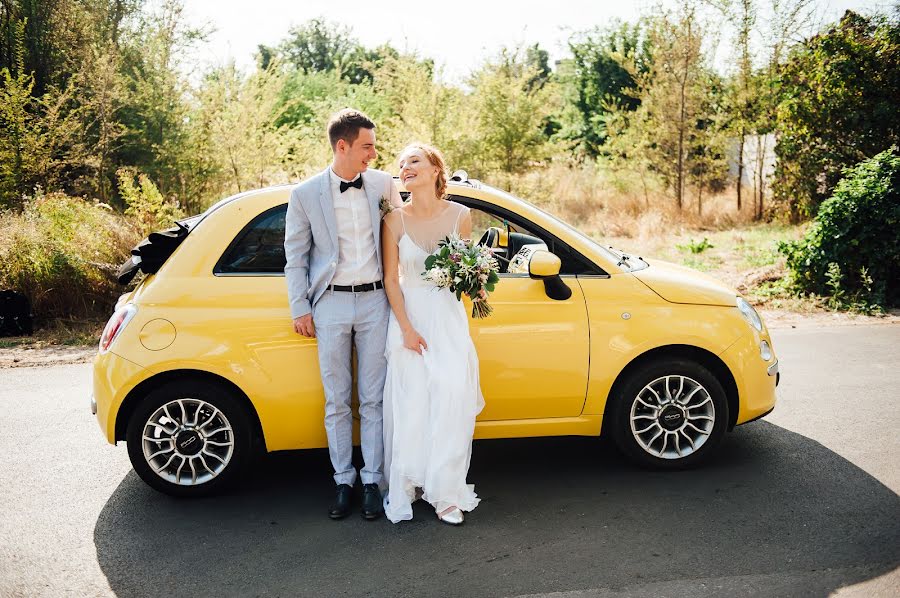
[[149, 255]]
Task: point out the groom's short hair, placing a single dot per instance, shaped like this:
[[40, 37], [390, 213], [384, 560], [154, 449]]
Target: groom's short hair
[[346, 125]]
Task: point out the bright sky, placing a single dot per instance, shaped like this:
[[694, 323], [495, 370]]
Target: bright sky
[[458, 34]]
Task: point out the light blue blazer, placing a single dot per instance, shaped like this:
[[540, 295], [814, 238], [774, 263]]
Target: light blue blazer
[[310, 236]]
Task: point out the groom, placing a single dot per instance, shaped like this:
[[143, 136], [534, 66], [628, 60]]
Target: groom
[[333, 248]]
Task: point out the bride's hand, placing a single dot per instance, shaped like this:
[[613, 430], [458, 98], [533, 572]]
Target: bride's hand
[[413, 341]]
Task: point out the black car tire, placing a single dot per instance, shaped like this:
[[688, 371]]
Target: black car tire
[[226, 452], [636, 447]]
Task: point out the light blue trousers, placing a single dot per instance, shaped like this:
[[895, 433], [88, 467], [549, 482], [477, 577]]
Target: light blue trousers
[[344, 319]]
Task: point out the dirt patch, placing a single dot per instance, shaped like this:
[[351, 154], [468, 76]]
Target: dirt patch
[[23, 356]]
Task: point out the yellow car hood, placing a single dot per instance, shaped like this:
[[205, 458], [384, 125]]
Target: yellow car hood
[[680, 284]]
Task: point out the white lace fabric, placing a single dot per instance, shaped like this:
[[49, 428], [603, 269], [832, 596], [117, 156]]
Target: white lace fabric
[[426, 233]]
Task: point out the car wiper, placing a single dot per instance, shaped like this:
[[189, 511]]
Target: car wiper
[[626, 259]]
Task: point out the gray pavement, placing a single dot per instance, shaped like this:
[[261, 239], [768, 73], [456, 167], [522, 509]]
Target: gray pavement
[[803, 503]]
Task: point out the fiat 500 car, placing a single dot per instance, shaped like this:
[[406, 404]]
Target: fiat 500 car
[[199, 367]]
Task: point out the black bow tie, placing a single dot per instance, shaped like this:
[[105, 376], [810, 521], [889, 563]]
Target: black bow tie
[[355, 183]]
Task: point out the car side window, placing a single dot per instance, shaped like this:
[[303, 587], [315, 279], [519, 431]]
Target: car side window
[[520, 234], [258, 248]]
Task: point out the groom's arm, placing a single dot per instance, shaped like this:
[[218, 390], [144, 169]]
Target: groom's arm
[[297, 246]]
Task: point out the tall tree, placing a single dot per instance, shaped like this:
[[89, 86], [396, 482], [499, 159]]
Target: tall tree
[[318, 46], [675, 127], [742, 15], [511, 113], [605, 64], [838, 106]]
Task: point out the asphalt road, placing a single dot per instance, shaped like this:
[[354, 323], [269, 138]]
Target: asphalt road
[[803, 503]]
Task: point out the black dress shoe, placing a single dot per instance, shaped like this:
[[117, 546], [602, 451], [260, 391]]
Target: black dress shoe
[[341, 506], [372, 507]]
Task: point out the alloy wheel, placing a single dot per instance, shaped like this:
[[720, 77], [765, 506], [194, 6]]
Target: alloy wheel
[[188, 442], [672, 417]]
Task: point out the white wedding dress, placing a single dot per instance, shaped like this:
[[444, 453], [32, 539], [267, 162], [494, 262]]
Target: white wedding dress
[[430, 400]]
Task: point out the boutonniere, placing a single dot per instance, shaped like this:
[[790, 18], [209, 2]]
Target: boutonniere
[[385, 206]]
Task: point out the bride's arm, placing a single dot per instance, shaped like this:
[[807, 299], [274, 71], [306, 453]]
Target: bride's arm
[[390, 257]]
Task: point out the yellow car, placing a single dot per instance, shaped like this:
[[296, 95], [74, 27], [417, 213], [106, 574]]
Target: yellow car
[[199, 367]]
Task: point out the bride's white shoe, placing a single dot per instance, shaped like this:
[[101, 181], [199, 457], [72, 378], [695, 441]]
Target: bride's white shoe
[[451, 516]]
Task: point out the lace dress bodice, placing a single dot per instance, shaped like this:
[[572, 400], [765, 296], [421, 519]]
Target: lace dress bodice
[[418, 238]]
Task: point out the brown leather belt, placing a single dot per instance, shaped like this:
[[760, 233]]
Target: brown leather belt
[[357, 288]]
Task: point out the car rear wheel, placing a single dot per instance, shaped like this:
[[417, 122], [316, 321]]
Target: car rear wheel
[[669, 415], [189, 438]]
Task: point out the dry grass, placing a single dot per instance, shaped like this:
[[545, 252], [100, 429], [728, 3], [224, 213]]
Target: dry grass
[[58, 332], [62, 253], [639, 216]]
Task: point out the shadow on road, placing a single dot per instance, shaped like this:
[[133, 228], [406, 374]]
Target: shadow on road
[[557, 514]]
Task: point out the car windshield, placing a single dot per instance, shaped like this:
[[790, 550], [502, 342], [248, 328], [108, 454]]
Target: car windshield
[[623, 260]]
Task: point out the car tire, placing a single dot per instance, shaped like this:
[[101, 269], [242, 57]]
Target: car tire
[[190, 438], [674, 430]]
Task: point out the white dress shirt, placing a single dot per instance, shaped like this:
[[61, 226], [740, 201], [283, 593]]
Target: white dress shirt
[[357, 260]]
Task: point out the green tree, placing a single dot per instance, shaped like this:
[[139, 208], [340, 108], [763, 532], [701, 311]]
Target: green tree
[[239, 114], [511, 113], [418, 107], [676, 130], [600, 79], [157, 108], [39, 138], [318, 46], [838, 106]]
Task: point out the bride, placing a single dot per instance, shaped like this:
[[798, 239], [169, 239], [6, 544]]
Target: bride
[[432, 392]]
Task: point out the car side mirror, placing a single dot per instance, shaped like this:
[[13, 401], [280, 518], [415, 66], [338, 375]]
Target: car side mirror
[[542, 265]]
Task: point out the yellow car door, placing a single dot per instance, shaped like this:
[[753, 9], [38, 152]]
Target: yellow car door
[[533, 351]]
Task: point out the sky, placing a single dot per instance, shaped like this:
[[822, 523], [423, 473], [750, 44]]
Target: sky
[[458, 34]]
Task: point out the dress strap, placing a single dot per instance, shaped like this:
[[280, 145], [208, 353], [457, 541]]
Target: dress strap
[[402, 221], [459, 213]]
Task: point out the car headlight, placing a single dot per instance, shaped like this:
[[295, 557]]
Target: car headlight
[[749, 313]]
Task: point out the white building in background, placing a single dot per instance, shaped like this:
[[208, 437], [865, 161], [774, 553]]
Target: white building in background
[[759, 158]]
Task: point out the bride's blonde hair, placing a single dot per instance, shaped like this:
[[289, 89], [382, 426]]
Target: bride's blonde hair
[[434, 156]]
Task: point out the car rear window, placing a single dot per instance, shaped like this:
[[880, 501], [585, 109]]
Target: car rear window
[[258, 248]]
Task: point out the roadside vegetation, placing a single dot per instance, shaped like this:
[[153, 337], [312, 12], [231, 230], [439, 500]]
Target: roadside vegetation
[[636, 137]]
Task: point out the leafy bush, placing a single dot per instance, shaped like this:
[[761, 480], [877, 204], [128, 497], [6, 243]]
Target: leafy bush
[[62, 253], [696, 246], [851, 253], [146, 205]]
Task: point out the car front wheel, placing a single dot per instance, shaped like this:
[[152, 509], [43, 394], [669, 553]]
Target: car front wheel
[[189, 438], [669, 415]]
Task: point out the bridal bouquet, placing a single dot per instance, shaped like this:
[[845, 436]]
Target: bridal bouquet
[[462, 267]]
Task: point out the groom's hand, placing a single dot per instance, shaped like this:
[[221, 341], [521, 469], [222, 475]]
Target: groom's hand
[[304, 325]]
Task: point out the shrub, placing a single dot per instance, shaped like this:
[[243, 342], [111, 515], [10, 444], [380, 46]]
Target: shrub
[[696, 246], [852, 250], [146, 205], [62, 253]]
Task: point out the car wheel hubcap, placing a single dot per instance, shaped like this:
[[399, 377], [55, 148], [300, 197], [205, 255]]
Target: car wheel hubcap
[[188, 442], [672, 417]]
